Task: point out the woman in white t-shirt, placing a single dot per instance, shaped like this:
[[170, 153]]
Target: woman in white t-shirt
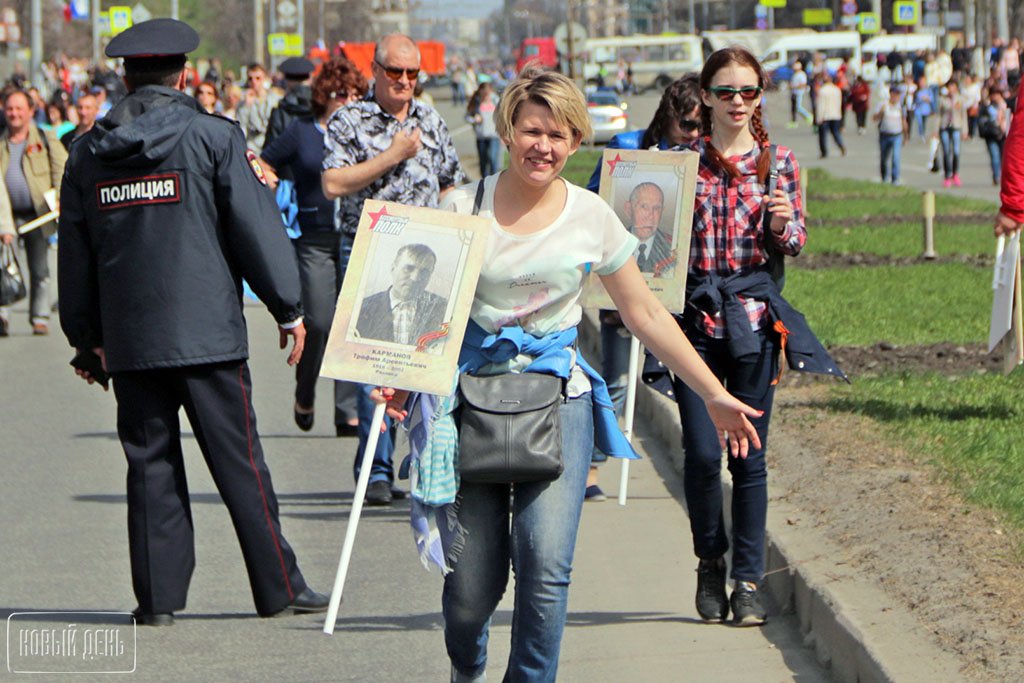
[[545, 234]]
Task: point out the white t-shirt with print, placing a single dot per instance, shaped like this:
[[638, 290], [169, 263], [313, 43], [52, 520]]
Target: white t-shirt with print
[[535, 280]]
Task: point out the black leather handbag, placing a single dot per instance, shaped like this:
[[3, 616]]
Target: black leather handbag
[[12, 283], [510, 429]]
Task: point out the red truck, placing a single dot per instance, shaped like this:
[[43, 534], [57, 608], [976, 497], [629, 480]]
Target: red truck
[[361, 54], [541, 50]]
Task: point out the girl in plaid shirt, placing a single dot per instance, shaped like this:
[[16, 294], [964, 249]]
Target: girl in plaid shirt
[[727, 250]]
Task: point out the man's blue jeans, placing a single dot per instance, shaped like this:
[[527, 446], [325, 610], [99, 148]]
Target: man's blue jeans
[[748, 379], [539, 544], [891, 146], [382, 469]]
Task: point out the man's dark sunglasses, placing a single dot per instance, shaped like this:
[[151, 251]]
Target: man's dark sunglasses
[[395, 74], [747, 92], [689, 125]]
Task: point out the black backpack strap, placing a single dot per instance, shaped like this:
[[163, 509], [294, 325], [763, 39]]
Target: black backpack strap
[[478, 200]]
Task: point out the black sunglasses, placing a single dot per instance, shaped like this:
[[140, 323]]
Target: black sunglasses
[[689, 125], [726, 93], [395, 74]]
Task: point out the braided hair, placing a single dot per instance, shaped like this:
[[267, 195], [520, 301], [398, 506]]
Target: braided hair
[[718, 60], [681, 97]]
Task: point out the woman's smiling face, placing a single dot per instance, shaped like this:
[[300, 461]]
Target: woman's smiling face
[[540, 145]]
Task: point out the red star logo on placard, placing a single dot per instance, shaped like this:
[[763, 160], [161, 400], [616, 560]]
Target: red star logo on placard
[[376, 216], [611, 163]]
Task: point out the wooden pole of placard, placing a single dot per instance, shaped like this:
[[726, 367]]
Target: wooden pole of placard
[[634, 371], [353, 520]]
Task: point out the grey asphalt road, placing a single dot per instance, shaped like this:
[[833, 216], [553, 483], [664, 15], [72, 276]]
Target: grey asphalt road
[[65, 550]]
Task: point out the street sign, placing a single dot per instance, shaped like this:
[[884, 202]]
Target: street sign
[[817, 17], [869, 22], [287, 14], [141, 14], [850, 21], [120, 19], [906, 12], [849, 7], [777, 4], [561, 35], [760, 11], [284, 44], [104, 24], [761, 24]]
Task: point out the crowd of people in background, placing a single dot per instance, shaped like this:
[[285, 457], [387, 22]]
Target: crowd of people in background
[[930, 97]]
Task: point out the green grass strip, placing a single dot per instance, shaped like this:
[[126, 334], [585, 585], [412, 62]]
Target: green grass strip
[[970, 426], [900, 239], [916, 304]]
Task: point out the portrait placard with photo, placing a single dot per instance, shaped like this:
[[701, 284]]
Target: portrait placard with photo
[[652, 193], [404, 306]]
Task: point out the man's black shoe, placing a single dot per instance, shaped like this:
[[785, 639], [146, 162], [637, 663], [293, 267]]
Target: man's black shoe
[[344, 430], [143, 619], [747, 609], [397, 493], [712, 603], [378, 493], [310, 601]]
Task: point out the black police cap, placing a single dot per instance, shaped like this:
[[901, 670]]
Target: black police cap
[[154, 38], [296, 67]]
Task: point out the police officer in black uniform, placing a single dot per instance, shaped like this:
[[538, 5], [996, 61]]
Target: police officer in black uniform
[[297, 102], [163, 212]]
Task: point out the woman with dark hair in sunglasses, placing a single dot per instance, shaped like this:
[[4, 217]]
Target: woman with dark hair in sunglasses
[[300, 147], [734, 318], [676, 121]]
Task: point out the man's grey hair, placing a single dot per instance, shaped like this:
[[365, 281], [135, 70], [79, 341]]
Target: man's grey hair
[[380, 53], [636, 191]]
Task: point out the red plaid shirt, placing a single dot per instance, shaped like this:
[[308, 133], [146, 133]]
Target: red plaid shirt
[[727, 226]]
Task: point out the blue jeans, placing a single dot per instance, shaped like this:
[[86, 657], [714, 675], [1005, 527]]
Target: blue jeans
[[891, 145], [382, 468], [489, 151], [748, 379], [995, 157], [826, 128], [539, 544], [614, 369], [950, 138]]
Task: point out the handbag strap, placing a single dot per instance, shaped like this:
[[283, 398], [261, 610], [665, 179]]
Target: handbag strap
[[478, 200]]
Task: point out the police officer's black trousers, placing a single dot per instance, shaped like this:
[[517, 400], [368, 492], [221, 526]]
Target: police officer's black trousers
[[216, 399]]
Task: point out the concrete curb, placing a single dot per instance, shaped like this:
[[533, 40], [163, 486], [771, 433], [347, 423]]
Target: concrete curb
[[856, 630]]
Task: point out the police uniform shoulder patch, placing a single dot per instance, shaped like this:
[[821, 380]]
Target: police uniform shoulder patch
[[163, 188], [254, 164]]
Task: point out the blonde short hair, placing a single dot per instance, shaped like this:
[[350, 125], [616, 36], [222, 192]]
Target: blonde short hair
[[551, 89]]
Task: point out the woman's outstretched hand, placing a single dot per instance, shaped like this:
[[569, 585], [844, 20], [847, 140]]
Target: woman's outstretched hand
[[730, 416], [395, 400]]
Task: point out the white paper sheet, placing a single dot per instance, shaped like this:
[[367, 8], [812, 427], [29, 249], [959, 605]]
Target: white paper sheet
[[1007, 260]]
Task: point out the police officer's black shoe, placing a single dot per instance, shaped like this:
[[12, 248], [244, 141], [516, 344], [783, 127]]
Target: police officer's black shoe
[[143, 619], [378, 493], [309, 601]]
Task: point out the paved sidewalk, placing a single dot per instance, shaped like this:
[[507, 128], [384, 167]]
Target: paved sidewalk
[[631, 612]]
